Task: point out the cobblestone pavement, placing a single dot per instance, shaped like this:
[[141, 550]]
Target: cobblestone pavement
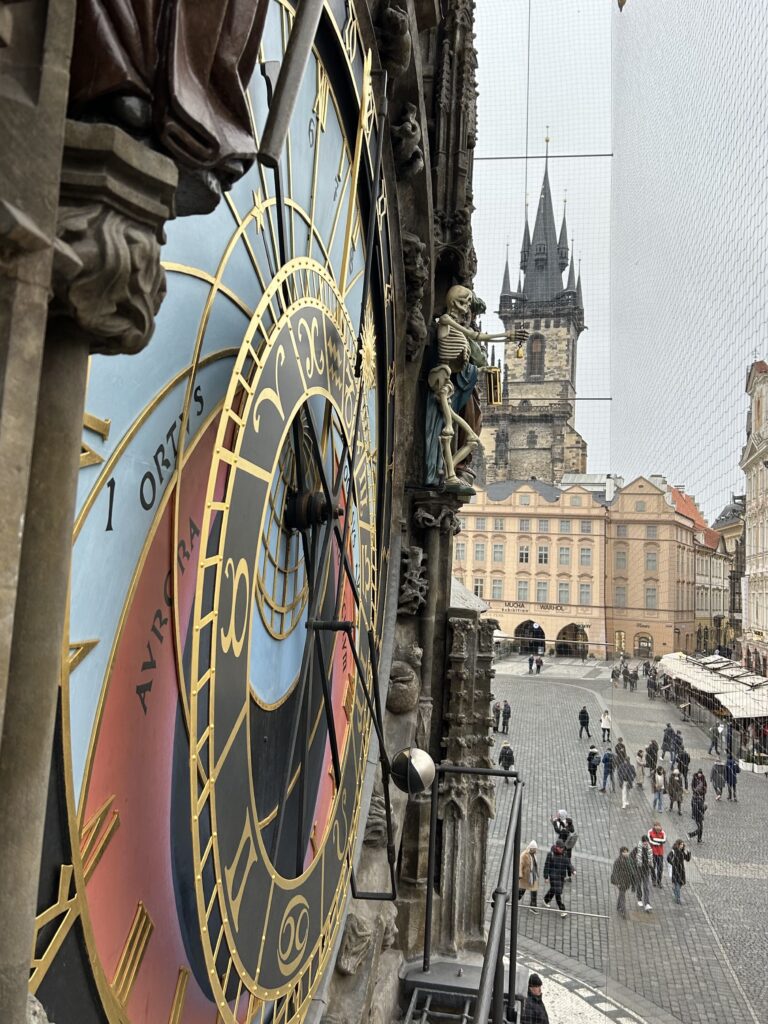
[[705, 962]]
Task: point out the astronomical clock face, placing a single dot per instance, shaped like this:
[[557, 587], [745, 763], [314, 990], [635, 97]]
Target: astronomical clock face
[[226, 594]]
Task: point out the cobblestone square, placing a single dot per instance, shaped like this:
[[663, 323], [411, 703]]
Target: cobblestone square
[[705, 962]]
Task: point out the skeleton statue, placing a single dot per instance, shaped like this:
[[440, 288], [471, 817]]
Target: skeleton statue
[[452, 383]]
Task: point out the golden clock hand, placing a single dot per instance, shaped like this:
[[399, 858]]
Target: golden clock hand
[[365, 100]]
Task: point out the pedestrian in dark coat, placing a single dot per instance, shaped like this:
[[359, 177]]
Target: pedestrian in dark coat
[[593, 760], [652, 756], [584, 722], [506, 758], [717, 778], [677, 746], [539, 665], [626, 775], [608, 770], [566, 834], [623, 876], [699, 783], [620, 751], [698, 810], [678, 856], [496, 715], [684, 763], [506, 714], [633, 678], [675, 791], [667, 740], [731, 771], [643, 864], [557, 868], [530, 664], [534, 1010]]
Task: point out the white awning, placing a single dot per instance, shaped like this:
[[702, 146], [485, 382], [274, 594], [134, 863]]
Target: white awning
[[749, 704], [743, 693]]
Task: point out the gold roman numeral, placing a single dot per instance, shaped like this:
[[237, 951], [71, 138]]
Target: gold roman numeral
[[179, 996], [66, 907], [88, 457], [96, 836], [79, 652], [323, 93], [236, 875], [133, 953]]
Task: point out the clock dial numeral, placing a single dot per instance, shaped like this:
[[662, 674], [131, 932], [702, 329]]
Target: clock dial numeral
[[79, 652], [89, 457], [234, 637], [111, 489], [133, 953], [96, 836], [323, 94], [236, 875], [178, 996], [67, 908]]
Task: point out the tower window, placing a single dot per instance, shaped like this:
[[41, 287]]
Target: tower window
[[536, 356]]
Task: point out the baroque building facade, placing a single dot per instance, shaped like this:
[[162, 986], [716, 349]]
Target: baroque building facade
[[532, 432], [754, 457]]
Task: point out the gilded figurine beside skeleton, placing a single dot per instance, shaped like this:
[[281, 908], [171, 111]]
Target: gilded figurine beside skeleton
[[454, 403]]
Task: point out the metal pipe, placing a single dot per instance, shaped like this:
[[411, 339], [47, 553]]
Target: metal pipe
[[498, 980], [513, 921], [431, 872], [292, 70]]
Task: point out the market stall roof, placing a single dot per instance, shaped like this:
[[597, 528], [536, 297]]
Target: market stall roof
[[746, 704], [744, 694], [679, 666]]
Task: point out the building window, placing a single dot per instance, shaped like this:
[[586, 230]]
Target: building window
[[650, 532], [498, 552], [525, 499], [639, 506], [523, 554], [563, 593], [536, 356], [585, 593], [565, 526], [543, 526], [620, 597], [651, 561], [463, 522], [543, 554], [479, 552], [650, 597], [498, 525], [525, 526], [586, 526], [620, 559], [620, 640], [576, 500], [460, 550], [480, 523], [542, 591], [585, 556], [479, 586], [522, 590], [497, 589], [621, 531], [564, 555]]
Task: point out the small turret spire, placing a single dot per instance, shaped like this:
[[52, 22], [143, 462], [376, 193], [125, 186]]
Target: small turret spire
[[526, 247], [571, 286], [578, 289], [562, 244], [506, 287]]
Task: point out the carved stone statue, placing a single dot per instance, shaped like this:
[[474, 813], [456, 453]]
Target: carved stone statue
[[406, 143], [394, 38], [404, 680], [173, 73], [414, 583], [415, 263], [455, 402], [357, 940]]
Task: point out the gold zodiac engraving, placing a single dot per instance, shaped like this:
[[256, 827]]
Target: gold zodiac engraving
[[341, 846], [232, 638], [88, 457], [236, 875], [315, 361], [133, 953], [293, 935], [271, 395]]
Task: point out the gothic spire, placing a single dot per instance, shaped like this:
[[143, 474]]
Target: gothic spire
[[506, 286], [571, 286], [562, 242], [526, 247], [579, 299], [544, 280]]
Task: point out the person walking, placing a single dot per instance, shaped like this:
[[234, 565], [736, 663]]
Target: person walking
[[625, 676], [677, 858], [714, 736], [641, 858], [620, 751], [652, 756], [496, 715], [593, 761], [506, 714], [717, 778], [667, 740], [658, 788], [506, 759], [675, 790], [534, 1010], [608, 769], [633, 680], [657, 837], [626, 775], [683, 763], [530, 664], [528, 880], [699, 783], [677, 746], [557, 868], [539, 665], [584, 722], [623, 876], [698, 810], [605, 725], [640, 768], [731, 771]]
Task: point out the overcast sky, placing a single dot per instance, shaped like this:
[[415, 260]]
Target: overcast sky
[[570, 83]]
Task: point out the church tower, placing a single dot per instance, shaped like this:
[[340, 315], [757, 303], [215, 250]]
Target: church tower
[[532, 434]]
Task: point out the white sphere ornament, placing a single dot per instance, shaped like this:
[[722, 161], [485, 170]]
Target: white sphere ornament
[[413, 770]]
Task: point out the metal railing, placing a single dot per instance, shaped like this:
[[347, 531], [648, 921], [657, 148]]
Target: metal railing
[[491, 992]]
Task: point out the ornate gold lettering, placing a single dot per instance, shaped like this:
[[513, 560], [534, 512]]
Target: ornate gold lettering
[[316, 359], [271, 395], [231, 637], [236, 875], [293, 935]]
